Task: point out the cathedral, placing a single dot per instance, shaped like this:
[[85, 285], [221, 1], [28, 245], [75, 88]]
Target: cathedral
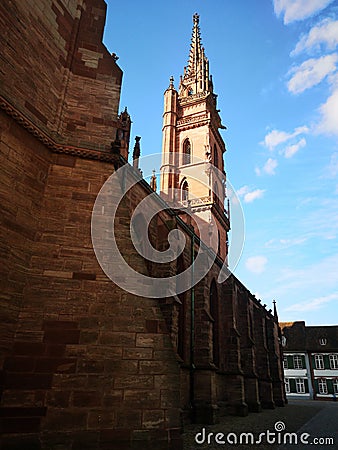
[[87, 360]]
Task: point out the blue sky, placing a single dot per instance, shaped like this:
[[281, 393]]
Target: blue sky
[[275, 70]]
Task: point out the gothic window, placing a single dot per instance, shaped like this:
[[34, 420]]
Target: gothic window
[[300, 386], [184, 191], [333, 361], [319, 361], [322, 386], [215, 322], [297, 362], [186, 152], [215, 156]]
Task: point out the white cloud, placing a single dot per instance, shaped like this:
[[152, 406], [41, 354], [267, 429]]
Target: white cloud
[[270, 166], [282, 244], [243, 190], [328, 123], [298, 9], [293, 149], [326, 33], [332, 168], [276, 137], [311, 72], [256, 264], [312, 305], [249, 195]]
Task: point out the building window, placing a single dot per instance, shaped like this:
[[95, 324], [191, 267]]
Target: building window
[[335, 386], [322, 386], [285, 362], [287, 385], [300, 386], [185, 191], [186, 152], [333, 361], [319, 361], [322, 341], [297, 362]]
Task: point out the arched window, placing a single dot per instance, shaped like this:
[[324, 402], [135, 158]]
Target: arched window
[[184, 191], [215, 322], [215, 156], [186, 152]]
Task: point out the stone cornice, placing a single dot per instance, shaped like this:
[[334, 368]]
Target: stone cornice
[[48, 141]]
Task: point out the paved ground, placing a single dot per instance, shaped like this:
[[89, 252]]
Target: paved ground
[[316, 418]]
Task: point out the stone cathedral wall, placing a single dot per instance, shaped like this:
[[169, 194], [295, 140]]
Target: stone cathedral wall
[[85, 364]]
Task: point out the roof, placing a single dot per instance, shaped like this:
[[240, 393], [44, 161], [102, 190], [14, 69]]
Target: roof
[[309, 338]]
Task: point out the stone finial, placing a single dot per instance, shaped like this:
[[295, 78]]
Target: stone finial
[[136, 152], [275, 313], [171, 82], [196, 18], [153, 181]]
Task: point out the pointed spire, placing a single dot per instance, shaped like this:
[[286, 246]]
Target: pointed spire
[[196, 50], [275, 314], [196, 77]]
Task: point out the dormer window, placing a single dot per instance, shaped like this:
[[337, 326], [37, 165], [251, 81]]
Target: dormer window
[[322, 341]]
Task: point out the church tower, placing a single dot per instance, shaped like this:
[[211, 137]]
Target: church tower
[[192, 171]]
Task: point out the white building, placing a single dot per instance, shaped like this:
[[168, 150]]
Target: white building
[[310, 360]]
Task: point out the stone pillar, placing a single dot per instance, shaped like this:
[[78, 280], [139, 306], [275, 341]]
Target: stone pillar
[[275, 363], [262, 359], [234, 379], [244, 320]]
